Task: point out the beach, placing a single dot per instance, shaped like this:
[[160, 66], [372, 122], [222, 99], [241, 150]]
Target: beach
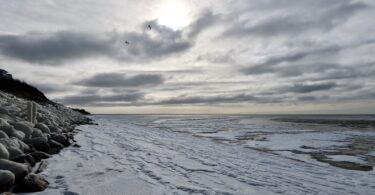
[[212, 154]]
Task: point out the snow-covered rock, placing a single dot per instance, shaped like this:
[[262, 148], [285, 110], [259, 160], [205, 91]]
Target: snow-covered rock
[[22, 143]]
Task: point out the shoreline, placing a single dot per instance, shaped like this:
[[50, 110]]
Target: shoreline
[[31, 132]]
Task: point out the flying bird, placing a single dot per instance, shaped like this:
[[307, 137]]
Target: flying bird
[[149, 27], [127, 42]]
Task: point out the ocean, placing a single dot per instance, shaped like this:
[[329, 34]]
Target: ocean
[[218, 154]]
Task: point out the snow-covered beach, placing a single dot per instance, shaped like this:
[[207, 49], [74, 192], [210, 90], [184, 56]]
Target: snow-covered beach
[[152, 154]]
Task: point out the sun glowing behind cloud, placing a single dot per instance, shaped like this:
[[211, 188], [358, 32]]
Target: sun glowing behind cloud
[[174, 14]]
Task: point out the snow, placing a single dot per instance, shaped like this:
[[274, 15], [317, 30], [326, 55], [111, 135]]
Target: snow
[[164, 155], [347, 158]]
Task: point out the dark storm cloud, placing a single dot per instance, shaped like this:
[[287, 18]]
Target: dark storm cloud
[[57, 48], [54, 48], [308, 88], [94, 99], [315, 17], [114, 80]]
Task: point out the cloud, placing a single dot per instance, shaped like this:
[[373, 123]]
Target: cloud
[[119, 80], [217, 99], [58, 48], [307, 16], [95, 99], [205, 20], [308, 88], [55, 48], [313, 61], [51, 88]]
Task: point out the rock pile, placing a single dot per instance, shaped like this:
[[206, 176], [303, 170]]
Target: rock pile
[[29, 133]]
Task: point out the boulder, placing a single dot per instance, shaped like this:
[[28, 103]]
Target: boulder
[[11, 132], [32, 183], [3, 135], [27, 130], [23, 146], [14, 152], [55, 129], [3, 122], [38, 156], [39, 143], [55, 146], [10, 142], [37, 133], [4, 111], [6, 117], [26, 158], [7, 180], [14, 142], [18, 134], [44, 128], [4, 154], [13, 108], [19, 170], [35, 141], [62, 139]]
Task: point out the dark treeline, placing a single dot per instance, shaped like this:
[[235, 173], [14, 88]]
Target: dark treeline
[[22, 90]]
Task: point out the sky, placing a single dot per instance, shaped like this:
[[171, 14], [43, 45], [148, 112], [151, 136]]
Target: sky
[[199, 57]]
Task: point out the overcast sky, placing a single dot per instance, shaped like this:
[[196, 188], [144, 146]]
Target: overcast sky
[[213, 56]]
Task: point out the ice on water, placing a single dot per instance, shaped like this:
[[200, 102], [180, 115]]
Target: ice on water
[[199, 155]]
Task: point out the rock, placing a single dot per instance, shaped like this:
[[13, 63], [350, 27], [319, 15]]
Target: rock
[[37, 140], [6, 117], [44, 128], [61, 139], [37, 133], [26, 158], [39, 143], [18, 134], [38, 156], [3, 122], [32, 183], [4, 111], [10, 142], [28, 131], [54, 129], [55, 146], [23, 146], [42, 166], [3, 135], [14, 142], [11, 132], [4, 154], [19, 170], [76, 145], [14, 152], [7, 180], [13, 108]]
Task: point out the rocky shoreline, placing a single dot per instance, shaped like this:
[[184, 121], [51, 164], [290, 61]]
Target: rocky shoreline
[[31, 132]]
